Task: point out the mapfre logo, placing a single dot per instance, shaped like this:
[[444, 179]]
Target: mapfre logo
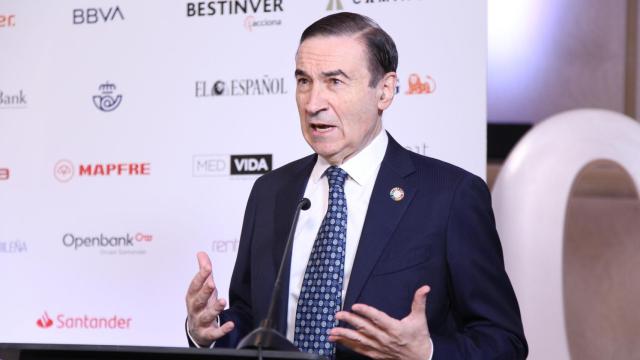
[[64, 170], [7, 20], [226, 165], [418, 86], [84, 322], [97, 15], [236, 7], [4, 174]]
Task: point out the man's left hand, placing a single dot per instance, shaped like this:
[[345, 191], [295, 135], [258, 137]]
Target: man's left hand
[[379, 336]]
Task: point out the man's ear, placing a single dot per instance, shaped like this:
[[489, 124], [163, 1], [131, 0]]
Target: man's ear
[[386, 90]]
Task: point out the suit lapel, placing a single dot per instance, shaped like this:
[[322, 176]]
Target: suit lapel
[[286, 202], [383, 216]]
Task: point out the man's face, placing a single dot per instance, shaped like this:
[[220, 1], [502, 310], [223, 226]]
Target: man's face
[[339, 112]]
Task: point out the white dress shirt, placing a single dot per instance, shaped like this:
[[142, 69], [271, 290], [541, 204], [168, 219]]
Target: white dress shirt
[[362, 169]]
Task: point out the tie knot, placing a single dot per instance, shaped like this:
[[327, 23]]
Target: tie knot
[[336, 175]]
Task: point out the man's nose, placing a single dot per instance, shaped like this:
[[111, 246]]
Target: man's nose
[[316, 101]]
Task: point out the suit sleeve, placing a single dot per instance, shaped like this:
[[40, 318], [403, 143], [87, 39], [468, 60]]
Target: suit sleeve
[[240, 308], [483, 301]]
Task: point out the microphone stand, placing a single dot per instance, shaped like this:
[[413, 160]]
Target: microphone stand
[[266, 336]]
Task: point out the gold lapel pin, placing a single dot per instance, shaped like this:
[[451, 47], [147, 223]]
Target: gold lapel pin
[[396, 194]]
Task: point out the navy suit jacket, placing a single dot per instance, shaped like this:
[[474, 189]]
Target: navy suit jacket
[[441, 234]]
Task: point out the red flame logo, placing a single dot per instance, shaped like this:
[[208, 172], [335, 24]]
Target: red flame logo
[[44, 321], [417, 86]]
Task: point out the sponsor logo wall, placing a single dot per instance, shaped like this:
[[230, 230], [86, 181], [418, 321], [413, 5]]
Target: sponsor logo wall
[[131, 134]]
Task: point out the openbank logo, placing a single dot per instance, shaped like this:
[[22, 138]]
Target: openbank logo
[[64, 170], [4, 174], [241, 87], [417, 86], [13, 100], [233, 7], [106, 101], [226, 165], [7, 20], [251, 22], [13, 247], [96, 15], [84, 322], [125, 244]]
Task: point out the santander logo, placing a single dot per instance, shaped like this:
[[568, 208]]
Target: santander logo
[[44, 321], [84, 322]]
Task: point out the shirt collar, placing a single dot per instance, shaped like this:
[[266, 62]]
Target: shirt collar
[[362, 167]]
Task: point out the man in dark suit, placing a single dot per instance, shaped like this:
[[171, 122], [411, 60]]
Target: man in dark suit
[[386, 228]]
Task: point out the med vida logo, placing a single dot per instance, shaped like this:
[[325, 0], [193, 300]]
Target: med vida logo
[[86, 322], [225, 165]]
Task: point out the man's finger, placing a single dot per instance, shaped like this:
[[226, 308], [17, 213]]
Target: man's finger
[[356, 342], [353, 336], [377, 317], [204, 270], [419, 304], [358, 347], [203, 261], [359, 323], [215, 333], [201, 298], [219, 305]]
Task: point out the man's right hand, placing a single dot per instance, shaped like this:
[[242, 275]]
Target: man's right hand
[[203, 306]]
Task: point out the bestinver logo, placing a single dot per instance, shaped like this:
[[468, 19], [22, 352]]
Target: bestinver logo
[[233, 7], [241, 87], [7, 20], [106, 101], [84, 322], [231, 165], [64, 170], [250, 22], [417, 86], [4, 174], [96, 15], [44, 321]]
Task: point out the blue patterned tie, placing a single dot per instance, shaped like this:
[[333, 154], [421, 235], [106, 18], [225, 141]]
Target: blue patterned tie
[[321, 293]]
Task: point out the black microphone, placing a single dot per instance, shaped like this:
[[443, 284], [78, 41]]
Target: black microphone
[[266, 337]]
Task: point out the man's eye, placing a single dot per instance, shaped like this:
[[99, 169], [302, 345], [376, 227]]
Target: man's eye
[[303, 81], [335, 81]]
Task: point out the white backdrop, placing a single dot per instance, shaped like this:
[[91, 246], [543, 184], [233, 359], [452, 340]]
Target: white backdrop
[[115, 150]]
